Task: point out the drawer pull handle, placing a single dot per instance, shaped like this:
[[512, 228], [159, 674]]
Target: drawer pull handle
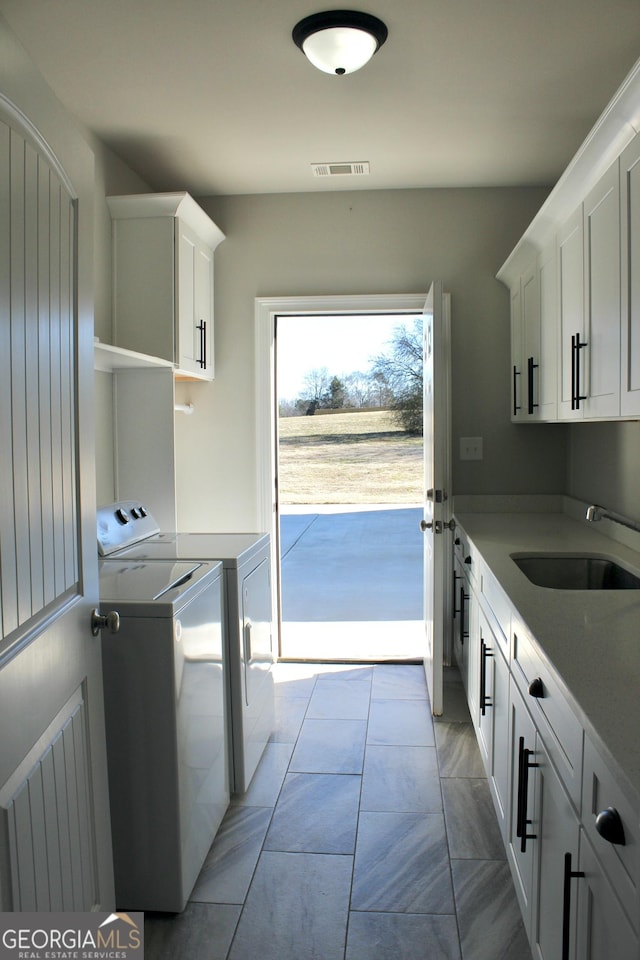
[[609, 826], [569, 875], [485, 701], [467, 560], [536, 688], [522, 817]]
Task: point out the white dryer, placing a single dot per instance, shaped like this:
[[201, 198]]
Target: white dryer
[[249, 641]]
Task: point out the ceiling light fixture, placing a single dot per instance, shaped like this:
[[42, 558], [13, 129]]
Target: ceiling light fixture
[[339, 41]]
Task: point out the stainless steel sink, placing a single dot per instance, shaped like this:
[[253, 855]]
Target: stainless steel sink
[[570, 572]]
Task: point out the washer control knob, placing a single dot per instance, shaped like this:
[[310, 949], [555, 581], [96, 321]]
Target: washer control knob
[[122, 515]]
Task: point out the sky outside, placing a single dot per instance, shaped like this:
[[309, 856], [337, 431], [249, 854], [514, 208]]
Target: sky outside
[[341, 344]]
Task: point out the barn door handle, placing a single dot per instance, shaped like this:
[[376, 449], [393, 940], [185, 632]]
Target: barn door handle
[[99, 621]]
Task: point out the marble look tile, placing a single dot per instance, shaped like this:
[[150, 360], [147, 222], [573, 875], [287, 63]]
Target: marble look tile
[[330, 746], [399, 680], [472, 826], [402, 864], [267, 780], [401, 778], [400, 722], [340, 700], [458, 753], [296, 908], [455, 706], [316, 813], [344, 671], [289, 714], [488, 914], [203, 930], [294, 679], [228, 868], [402, 936]]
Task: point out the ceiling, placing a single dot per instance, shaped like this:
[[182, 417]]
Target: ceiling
[[213, 97]]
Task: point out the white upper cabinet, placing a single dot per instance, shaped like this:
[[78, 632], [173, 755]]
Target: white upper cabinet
[[163, 247], [534, 313], [602, 296], [630, 263], [589, 305], [589, 293]]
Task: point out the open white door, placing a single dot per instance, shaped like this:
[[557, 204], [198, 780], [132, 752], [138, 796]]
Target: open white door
[[437, 488]]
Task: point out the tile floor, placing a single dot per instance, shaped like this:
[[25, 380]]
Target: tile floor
[[367, 833]]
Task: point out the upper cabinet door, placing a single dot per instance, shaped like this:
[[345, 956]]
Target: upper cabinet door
[[630, 272], [547, 373], [602, 297], [195, 303], [571, 317], [163, 247]]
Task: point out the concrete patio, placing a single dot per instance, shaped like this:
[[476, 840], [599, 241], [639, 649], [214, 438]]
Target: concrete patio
[[351, 579]]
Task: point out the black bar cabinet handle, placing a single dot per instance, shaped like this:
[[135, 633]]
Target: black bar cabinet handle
[[574, 353], [463, 633], [485, 701], [200, 327], [516, 405], [204, 344], [524, 765], [566, 903], [531, 366], [579, 347], [456, 577]]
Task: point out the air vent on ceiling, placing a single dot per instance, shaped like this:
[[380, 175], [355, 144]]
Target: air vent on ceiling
[[359, 169]]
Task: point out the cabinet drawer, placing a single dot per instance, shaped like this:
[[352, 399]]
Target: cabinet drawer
[[499, 606], [620, 860], [558, 725], [466, 554]]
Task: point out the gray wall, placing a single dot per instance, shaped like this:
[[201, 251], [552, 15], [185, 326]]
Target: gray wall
[[604, 465], [363, 243]]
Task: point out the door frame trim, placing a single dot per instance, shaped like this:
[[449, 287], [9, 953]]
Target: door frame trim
[[266, 311]]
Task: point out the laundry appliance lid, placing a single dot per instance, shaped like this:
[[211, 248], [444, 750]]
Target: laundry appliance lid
[[153, 588]]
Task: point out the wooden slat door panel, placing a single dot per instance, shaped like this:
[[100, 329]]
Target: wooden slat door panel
[[39, 522]]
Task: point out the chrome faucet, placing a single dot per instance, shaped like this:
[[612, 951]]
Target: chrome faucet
[[594, 513]]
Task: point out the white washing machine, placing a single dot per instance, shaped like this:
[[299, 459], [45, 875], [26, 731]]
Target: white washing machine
[[246, 560], [165, 711]]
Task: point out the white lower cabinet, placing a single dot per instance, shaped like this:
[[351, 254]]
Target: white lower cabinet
[[577, 881], [556, 831], [522, 741], [604, 929], [493, 717]]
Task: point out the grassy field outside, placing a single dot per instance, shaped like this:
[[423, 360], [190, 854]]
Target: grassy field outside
[[356, 457]]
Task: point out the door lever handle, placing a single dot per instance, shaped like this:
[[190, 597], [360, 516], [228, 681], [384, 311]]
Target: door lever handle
[[99, 621]]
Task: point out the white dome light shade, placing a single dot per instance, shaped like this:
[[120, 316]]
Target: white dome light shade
[[339, 50], [339, 41]]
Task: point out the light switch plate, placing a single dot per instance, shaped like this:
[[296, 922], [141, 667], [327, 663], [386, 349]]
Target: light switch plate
[[471, 448]]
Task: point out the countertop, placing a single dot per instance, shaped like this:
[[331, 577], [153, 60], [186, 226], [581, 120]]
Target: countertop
[[590, 637]]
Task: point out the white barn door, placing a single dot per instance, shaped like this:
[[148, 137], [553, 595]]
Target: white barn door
[[55, 850]]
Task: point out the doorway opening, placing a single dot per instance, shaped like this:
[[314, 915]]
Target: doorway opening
[[349, 486]]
